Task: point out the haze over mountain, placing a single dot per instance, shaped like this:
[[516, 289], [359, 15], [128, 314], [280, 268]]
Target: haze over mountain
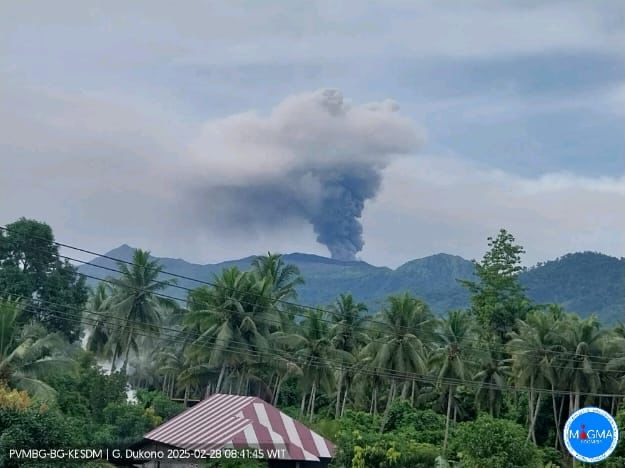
[[585, 282]]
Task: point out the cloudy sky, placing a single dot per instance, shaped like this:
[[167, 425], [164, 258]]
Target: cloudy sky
[[212, 130]]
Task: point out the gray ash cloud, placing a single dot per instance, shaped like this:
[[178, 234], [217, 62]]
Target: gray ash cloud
[[314, 158]]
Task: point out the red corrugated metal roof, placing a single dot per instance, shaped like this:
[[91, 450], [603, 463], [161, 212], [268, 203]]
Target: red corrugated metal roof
[[242, 422]]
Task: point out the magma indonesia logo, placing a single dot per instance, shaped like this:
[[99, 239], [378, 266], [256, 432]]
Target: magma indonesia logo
[[590, 435]]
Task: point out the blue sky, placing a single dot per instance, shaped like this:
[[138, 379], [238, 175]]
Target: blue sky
[[523, 104]]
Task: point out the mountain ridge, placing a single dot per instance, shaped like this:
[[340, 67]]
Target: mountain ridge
[[583, 282]]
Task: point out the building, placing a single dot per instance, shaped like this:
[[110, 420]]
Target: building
[[233, 425]]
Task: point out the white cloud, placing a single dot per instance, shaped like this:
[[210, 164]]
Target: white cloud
[[435, 203], [122, 35], [318, 130], [106, 169]]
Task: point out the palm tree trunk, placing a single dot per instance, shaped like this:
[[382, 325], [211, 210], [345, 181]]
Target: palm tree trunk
[[338, 394], [125, 365], [530, 408], [375, 401], [115, 354], [303, 405], [404, 390], [240, 383], [273, 385], [312, 400], [344, 399], [220, 378], [277, 394], [412, 393], [449, 401], [555, 416], [275, 389], [391, 397], [186, 395], [532, 432]]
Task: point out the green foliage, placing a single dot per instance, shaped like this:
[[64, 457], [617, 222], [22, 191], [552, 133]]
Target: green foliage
[[498, 299], [585, 282], [551, 457], [29, 354], [496, 443], [130, 421], [412, 438], [35, 428], [136, 305], [159, 402], [391, 450], [428, 426], [582, 282], [30, 266], [88, 392], [237, 337], [235, 318]]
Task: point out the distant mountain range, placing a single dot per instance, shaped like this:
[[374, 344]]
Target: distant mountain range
[[585, 283]]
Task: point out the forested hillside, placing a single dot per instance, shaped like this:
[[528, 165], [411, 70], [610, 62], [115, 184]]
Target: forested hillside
[[585, 282], [489, 385]]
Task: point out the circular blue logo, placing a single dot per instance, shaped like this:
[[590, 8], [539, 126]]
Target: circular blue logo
[[590, 434]]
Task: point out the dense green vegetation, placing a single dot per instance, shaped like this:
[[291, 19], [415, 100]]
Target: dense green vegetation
[[586, 282], [487, 385]]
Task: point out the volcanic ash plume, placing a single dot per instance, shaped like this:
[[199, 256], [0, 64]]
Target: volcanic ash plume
[[315, 157]]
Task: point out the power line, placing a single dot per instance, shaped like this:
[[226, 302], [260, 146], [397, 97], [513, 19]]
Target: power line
[[316, 362], [278, 323], [598, 358]]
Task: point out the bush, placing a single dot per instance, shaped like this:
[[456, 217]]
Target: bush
[[130, 421], [160, 403], [427, 425], [360, 443], [551, 456], [87, 394], [34, 428], [496, 443], [393, 453]]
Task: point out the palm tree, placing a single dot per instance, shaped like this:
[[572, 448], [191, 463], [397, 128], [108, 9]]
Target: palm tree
[[613, 377], [454, 335], [582, 339], [97, 318], [403, 327], [284, 277], [29, 354], [348, 335], [235, 320], [315, 354], [492, 376], [172, 363], [145, 374], [136, 304], [532, 348]]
